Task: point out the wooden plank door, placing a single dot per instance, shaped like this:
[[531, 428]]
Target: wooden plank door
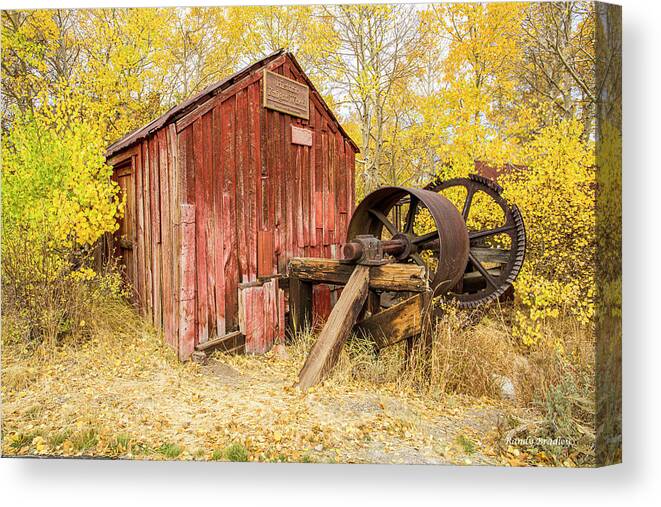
[[125, 239]]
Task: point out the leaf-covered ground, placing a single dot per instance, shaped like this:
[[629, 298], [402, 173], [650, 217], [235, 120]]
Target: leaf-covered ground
[[130, 398]]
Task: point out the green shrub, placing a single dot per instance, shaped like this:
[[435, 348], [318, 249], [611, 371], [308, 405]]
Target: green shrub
[[236, 452], [57, 202], [170, 450]]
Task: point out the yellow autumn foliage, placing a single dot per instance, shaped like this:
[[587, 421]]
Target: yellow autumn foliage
[[556, 195], [56, 183], [57, 201]]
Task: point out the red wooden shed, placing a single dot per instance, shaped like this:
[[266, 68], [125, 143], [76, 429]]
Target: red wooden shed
[[221, 191]]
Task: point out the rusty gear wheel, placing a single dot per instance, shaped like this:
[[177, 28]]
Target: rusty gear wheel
[[491, 268]]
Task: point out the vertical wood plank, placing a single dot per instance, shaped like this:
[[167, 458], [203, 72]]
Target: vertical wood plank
[[255, 164], [321, 296], [187, 292], [302, 209], [300, 304], [230, 251], [291, 189], [146, 195], [166, 252], [276, 184], [318, 183], [140, 232], [209, 220], [200, 234], [241, 184], [218, 176], [312, 218], [156, 232], [281, 315], [131, 218], [175, 221]]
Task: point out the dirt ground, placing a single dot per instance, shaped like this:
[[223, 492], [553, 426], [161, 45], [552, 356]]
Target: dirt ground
[[132, 399]]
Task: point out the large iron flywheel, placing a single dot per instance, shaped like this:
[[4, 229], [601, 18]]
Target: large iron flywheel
[[429, 228]]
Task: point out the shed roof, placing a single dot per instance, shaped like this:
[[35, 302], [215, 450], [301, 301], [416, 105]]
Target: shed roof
[[188, 105]]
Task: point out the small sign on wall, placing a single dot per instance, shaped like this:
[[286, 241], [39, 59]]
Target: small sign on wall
[[286, 95], [301, 136]]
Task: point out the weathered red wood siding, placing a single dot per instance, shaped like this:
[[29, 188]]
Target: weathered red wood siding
[[224, 200]]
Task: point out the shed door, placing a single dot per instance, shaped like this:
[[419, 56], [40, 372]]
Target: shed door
[[125, 235]]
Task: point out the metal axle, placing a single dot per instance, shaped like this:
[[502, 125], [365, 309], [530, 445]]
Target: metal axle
[[369, 249]]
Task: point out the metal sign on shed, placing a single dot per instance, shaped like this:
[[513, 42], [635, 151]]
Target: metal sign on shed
[[301, 136], [286, 95]]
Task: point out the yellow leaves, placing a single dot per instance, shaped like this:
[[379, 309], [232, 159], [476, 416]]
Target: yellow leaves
[[117, 396], [40, 445], [468, 117], [67, 447], [56, 183], [557, 199], [83, 274]]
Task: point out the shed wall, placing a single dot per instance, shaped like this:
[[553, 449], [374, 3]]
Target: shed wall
[[153, 219]]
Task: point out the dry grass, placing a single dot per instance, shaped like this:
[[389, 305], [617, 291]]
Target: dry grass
[[118, 391], [471, 355], [470, 352]]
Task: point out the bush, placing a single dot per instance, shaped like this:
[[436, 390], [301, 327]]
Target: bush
[[57, 202], [236, 452], [556, 195]]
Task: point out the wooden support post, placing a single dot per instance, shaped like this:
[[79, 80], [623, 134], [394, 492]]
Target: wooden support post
[[326, 349], [300, 304], [372, 305], [421, 339]]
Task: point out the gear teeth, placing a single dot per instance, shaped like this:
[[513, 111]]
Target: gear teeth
[[433, 184], [488, 182], [516, 267], [520, 243]]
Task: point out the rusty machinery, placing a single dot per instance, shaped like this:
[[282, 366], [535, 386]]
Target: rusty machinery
[[473, 266], [470, 259]]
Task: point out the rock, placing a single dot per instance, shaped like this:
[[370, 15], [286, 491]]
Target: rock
[[506, 387], [199, 357], [280, 351]]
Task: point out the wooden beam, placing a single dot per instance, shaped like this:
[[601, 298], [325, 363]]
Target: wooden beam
[[495, 255], [326, 349], [227, 342], [391, 277], [397, 323]]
